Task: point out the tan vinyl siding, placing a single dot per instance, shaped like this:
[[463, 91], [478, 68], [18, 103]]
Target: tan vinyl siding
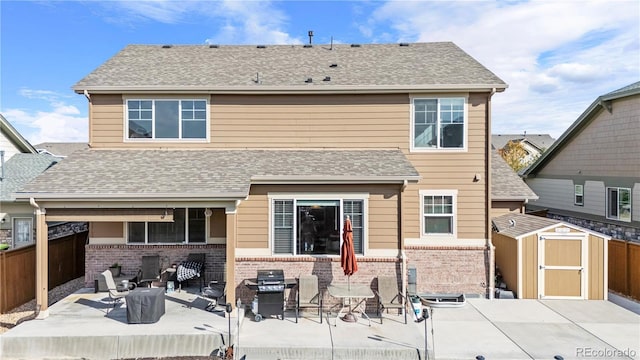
[[448, 170], [107, 121], [529, 267], [596, 268], [106, 230], [618, 130], [382, 221], [507, 259], [499, 208]]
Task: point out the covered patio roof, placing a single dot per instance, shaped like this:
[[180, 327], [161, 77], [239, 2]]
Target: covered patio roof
[[209, 174]]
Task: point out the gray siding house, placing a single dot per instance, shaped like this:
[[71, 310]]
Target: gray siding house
[[591, 175]]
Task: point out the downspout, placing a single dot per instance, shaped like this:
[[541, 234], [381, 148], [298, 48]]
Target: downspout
[[403, 254], [490, 247]]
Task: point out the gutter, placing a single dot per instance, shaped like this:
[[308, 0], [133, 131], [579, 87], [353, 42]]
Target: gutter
[[340, 179], [306, 89], [138, 197]]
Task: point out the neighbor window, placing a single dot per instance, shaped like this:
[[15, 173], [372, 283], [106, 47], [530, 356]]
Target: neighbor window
[[438, 212], [314, 226], [619, 204], [167, 119], [439, 123], [22, 231], [188, 226], [578, 198]]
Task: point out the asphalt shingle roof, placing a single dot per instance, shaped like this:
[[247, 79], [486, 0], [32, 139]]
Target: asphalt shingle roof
[[185, 67], [541, 141], [61, 148], [210, 173], [21, 169], [505, 183], [522, 224]]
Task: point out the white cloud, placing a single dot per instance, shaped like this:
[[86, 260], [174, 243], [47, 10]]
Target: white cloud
[[545, 50], [63, 123]]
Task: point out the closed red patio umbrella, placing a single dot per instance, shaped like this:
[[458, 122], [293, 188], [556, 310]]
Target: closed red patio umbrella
[[348, 254]]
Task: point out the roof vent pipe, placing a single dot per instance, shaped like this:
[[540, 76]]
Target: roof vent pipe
[[310, 36]]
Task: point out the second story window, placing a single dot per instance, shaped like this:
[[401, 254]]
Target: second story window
[[167, 119], [438, 123]]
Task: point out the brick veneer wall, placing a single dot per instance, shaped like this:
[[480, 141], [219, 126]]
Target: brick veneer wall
[[98, 258], [450, 269], [328, 270]]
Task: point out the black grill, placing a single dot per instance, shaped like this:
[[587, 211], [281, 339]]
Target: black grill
[[271, 292]]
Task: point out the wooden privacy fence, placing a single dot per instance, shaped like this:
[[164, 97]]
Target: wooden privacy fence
[[18, 269], [624, 267]]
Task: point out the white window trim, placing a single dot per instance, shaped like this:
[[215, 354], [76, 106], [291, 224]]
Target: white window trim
[[576, 194], [412, 130], [314, 196], [14, 235], [125, 131], [454, 194], [606, 210]]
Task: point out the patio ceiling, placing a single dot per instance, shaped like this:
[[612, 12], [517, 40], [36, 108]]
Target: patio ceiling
[[105, 215]]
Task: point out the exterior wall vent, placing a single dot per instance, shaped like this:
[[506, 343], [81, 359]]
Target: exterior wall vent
[[167, 46]]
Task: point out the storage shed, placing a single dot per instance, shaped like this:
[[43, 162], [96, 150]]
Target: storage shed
[[542, 258]]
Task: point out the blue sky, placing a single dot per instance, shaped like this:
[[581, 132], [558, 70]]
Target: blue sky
[[556, 56]]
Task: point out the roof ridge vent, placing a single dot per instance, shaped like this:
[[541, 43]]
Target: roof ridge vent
[[403, 44], [213, 46], [167, 46], [355, 45], [261, 46]]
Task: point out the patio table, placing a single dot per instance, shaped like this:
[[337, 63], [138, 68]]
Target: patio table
[[353, 298], [145, 305]]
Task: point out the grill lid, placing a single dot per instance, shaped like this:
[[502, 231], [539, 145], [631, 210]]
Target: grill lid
[[270, 277]]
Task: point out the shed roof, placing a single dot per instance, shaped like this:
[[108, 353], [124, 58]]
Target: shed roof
[[516, 225], [338, 67], [210, 174]]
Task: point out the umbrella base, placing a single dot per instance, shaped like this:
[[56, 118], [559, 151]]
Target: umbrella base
[[349, 317]]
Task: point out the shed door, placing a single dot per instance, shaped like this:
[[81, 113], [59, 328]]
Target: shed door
[[561, 267]]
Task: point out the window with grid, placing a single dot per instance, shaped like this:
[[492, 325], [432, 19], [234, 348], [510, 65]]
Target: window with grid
[[439, 123], [578, 195], [438, 213], [167, 119]]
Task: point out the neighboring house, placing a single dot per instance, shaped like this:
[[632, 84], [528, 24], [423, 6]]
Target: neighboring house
[[12, 142], [60, 149], [533, 144], [591, 175], [229, 150], [509, 193], [19, 164]]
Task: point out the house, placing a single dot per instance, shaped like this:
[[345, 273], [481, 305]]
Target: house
[[229, 150], [591, 175], [509, 193], [19, 164], [533, 144]]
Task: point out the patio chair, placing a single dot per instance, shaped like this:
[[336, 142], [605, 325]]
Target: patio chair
[[192, 268], [309, 295], [150, 270], [389, 296], [214, 292], [115, 295]]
